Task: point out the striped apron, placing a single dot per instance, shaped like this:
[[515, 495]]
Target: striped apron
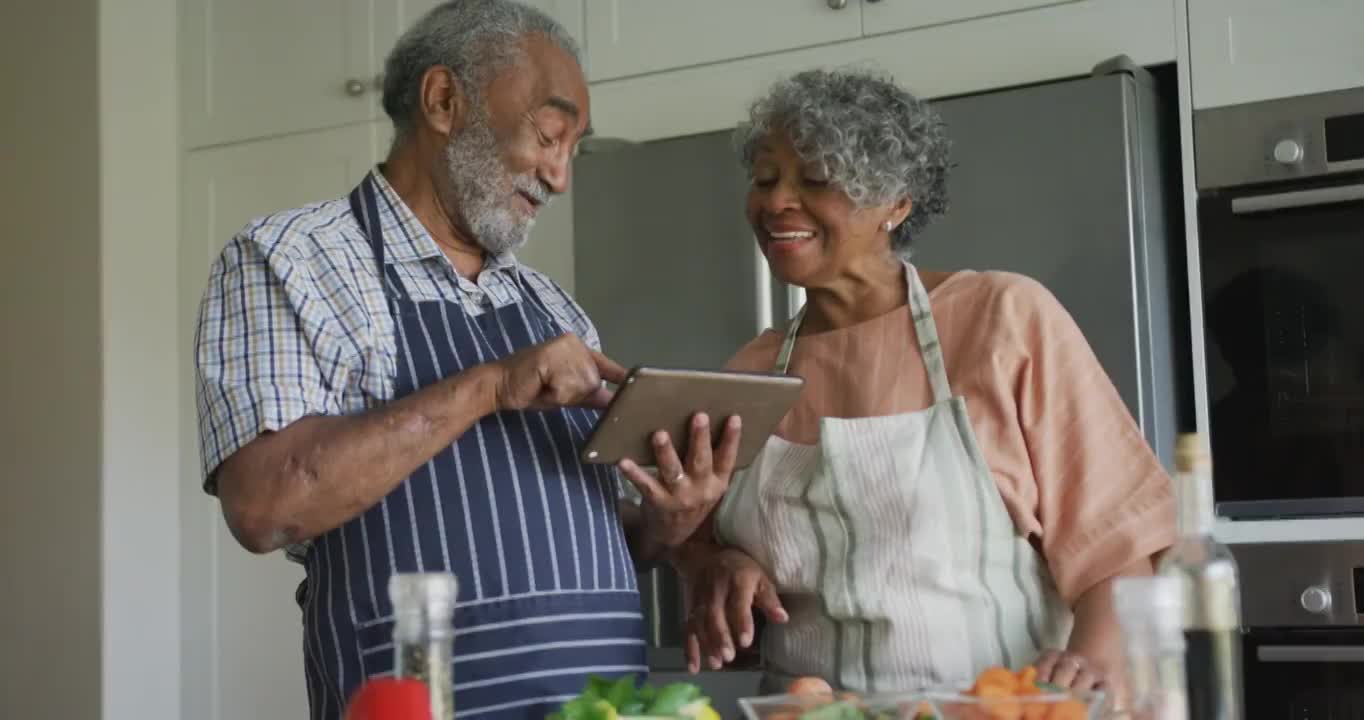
[[547, 590], [891, 547]]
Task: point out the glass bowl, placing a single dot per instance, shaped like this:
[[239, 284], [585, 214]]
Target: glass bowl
[[844, 706], [1045, 706]]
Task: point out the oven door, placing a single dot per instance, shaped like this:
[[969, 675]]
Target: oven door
[[1282, 268], [1304, 673]]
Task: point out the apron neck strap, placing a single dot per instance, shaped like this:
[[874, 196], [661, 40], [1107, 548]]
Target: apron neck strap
[[364, 205], [925, 330]]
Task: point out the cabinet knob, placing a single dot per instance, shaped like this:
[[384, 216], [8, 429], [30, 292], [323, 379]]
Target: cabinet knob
[[1287, 151], [1316, 600], [838, 4], [355, 87]]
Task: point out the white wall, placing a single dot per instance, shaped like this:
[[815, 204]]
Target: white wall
[[88, 498], [139, 184], [50, 363]]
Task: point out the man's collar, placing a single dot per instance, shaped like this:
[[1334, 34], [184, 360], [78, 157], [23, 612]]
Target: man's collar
[[407, 239]]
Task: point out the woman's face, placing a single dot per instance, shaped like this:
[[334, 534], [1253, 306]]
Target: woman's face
[[809, 229]]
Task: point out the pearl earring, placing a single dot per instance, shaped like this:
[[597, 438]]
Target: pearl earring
[[888, 225]]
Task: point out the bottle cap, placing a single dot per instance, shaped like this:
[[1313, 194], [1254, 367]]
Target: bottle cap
[[433, 593], [1191, 453]]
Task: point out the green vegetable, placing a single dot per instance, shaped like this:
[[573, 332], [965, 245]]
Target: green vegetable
[[579, 708], [602, 698], [597, 688], [671, 698], [834, 711], [621, 692]]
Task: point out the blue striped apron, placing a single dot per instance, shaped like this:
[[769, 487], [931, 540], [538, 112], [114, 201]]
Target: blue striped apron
[[547, 591]]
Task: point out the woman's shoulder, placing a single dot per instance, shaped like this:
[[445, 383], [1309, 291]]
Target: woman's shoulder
[[759, 355], [1007, 296]]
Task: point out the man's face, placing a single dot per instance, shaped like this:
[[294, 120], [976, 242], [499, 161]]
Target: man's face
[[514, 151]]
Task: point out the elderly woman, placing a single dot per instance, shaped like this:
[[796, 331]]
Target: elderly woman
[[960, 483]]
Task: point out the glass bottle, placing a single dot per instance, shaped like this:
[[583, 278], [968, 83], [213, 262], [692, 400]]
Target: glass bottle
[[424, 635], [1208, 578], [1151, 616]]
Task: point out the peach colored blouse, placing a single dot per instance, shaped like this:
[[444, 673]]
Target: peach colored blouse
[[1074, 471]]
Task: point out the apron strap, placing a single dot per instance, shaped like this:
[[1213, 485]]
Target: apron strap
[[789, 342], [925, 329], [364, 205]]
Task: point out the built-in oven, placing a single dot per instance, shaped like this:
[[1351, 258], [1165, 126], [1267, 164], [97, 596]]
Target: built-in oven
[[1303, 640], [1281, 256]]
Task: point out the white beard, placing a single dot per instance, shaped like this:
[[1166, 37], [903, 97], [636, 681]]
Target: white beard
[[484, 190]]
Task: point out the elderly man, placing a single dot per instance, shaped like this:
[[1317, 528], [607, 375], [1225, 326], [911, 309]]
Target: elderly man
[[383, 388]]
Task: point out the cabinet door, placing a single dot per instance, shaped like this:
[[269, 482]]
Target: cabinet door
[[883, 16], [258, 68], [392, 18], [241, 629], [634, 37], [1249, 50]]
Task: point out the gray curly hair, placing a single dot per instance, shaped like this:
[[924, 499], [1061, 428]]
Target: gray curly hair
[[474, 38], [875, 140]]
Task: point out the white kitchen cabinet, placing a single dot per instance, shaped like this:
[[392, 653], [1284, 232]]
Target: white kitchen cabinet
[[882, 16], [635, 37], [1249, 50], [1017, 48], [241, 629], [258, 68]]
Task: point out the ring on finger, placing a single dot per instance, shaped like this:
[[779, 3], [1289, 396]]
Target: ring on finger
[[679, 477]]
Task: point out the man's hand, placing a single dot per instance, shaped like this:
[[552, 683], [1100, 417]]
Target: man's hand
[[679, 499], [556, 373], [724, 588]]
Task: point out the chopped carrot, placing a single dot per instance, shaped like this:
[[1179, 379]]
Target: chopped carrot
[[1067, 710], [809, 686], [997, 677]]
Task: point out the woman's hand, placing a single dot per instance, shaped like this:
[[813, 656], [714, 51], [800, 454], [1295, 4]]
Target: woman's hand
[[725, 587], [680, 498], [1069, 670]]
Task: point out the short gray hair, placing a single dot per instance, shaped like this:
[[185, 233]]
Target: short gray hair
[[876, 141], [474, 38]]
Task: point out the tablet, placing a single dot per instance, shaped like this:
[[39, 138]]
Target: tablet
[[653, 399]]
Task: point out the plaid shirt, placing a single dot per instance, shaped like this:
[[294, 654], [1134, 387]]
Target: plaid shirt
[[295, 321]]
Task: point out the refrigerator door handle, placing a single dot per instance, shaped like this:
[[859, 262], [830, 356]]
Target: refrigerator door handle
[[1310, 653], [1296, 199]]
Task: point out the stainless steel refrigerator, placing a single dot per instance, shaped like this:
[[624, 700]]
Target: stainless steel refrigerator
[[1073, 183]]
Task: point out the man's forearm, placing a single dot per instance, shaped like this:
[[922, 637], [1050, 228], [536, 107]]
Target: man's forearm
[[320, 472]]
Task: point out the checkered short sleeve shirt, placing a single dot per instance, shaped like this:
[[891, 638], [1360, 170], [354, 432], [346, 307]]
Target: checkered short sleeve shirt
[[295, 322]]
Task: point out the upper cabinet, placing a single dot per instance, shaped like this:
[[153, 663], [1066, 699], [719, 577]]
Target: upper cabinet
[[635, 37], [260, 68], [255, 68], [881, 16], [1249, 50]]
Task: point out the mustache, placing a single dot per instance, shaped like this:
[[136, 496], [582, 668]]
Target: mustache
[[535, 188]]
